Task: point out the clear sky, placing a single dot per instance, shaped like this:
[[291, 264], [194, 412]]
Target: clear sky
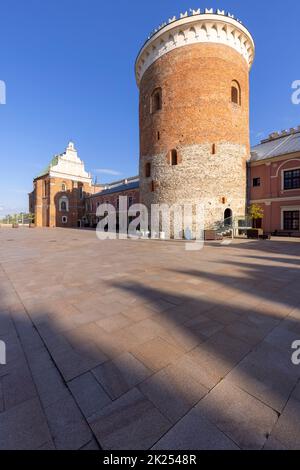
[[68, 66]]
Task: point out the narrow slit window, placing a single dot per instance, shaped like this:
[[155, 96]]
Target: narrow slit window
[[174, 157], [148, 170]]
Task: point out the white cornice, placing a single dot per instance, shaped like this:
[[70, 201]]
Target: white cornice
[[197, 28], [68, 176], [275, 199]]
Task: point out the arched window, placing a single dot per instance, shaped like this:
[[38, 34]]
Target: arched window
[[63, 187], [156, 100], [63, 204], [148, 170], [235, 93]]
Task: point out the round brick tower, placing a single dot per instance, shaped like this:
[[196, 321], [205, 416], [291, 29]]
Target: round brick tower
[[193, 76]]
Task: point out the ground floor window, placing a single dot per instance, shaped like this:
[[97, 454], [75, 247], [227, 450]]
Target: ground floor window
[[64, 219], [291, 220]]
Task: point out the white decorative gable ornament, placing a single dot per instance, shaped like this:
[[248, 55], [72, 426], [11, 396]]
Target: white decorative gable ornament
[[69, 166]]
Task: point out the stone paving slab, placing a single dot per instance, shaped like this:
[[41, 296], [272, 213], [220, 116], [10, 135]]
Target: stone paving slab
[[130, 423], [157, 354], [192, 432], [174, 391], [268, 374], [68, 427], [287, 429], [24, 427], [243, 418], [89, 394], [133, 344], [120, 375]]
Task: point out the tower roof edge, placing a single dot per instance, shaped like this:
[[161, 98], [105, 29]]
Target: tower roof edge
[[214, 26]]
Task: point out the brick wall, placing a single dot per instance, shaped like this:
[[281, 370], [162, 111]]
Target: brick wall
[[196, 114], [47, 194], [95, 200]]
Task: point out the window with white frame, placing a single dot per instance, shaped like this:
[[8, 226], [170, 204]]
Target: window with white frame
[[63, 204], [292, 179], [291, 220], [64, 219]]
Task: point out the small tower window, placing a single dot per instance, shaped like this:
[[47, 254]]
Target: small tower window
[[152, 186], [63, 187], [156, 100], [148, 170], [174, 157], [213, 149], [235, 93], [46, 188], [158, 135]]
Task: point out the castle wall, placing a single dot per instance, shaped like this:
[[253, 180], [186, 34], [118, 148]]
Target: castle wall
[[196, 99], [218, 181], [199, 120]]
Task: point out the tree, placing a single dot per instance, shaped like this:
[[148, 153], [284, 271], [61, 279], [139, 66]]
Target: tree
[[256, 213]]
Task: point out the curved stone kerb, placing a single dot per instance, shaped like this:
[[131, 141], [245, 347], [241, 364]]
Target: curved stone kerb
[[201, 28]]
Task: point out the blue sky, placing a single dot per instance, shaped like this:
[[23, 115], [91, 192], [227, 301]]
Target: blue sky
[[68, 66]]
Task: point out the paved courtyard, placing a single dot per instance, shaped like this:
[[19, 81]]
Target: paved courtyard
[[141, 344]]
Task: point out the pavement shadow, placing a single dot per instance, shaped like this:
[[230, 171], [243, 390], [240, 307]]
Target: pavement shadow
[[207, 367]]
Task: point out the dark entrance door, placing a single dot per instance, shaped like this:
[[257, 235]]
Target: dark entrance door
[[228, 217]]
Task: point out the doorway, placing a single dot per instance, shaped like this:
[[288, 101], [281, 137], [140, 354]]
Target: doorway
[[228, 217]]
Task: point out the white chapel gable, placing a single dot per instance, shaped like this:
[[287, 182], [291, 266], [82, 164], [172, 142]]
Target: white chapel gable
[[69, 166]]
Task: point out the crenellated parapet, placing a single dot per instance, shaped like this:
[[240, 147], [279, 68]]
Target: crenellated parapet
[[195, 27], [283, 133]]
